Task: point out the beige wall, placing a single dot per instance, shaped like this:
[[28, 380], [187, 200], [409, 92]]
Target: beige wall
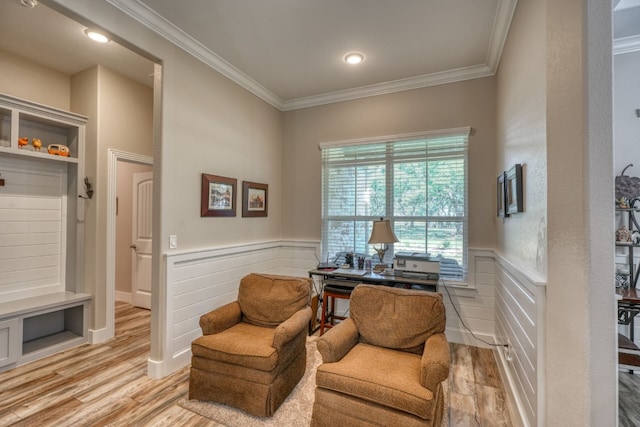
[[121, 118], [124, 194], [521, 136], [468, 103], [27, 80], [211, 125], [554, 115]]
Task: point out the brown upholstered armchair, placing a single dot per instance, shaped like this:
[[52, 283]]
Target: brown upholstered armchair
[[253, 353], [385, 364]]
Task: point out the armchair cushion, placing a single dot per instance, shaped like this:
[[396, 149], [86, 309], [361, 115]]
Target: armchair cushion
[[403, 319], [268, 300], [243, 344], [379, 375]]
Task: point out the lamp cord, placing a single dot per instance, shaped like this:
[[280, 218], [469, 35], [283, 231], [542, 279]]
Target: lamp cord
[[464, 324]]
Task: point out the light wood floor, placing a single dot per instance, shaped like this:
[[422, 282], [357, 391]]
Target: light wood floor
[[106, 384]]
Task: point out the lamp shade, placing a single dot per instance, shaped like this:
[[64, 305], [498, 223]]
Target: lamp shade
[[382, 232]]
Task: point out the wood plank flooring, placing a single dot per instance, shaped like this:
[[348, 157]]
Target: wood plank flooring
[[106, 384], [629, 399]]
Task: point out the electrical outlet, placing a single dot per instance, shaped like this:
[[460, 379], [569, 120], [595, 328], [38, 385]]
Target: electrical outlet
[[173, 241], [508, 351]]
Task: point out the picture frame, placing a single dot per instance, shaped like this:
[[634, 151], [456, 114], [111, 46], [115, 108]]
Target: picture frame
[[515, 201], [218, 196], [255, 199], [501, 195]]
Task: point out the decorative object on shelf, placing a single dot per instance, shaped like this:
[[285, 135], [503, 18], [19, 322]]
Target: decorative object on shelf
[[627, 187], [514, 202], [22, 142], [623, 235], [218, 196], [382, 233], [360, 263], [254, 199], [88, 189], [58, 150], [37, 144], [623, 203], [501, 195]]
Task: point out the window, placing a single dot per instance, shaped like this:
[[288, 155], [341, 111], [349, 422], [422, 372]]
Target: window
[[418, 182]]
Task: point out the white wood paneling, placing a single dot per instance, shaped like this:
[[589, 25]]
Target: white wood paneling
[[201, 281], [33, 222], [519, 315], [471, 304]]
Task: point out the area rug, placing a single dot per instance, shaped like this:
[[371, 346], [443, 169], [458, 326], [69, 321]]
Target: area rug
[[295, 411]]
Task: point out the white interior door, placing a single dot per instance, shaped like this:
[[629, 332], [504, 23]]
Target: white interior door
[[141, 239]]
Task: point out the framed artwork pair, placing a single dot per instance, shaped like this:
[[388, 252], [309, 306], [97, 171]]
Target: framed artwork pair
[[218, 197]]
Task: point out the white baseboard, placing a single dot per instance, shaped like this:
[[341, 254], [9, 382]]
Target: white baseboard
[[514, 404], [96, 336], [155, 369], [124, 297], [461, 336]]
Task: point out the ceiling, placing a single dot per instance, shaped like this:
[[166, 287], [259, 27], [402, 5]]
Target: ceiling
[[290, 52]]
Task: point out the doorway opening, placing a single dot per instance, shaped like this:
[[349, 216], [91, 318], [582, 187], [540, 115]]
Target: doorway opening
[[121, 170]]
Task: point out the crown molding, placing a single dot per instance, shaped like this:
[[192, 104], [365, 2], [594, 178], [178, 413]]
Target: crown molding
[[626, 45], [155, 22], [501, 24], [149, 18], [418, 82]]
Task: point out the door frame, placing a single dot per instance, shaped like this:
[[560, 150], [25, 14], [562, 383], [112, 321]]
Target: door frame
[[113, 157]]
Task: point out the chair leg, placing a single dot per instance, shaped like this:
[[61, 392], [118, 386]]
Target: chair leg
[[324, 314], [333, 311]]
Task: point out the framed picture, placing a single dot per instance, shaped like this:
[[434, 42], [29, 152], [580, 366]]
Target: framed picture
[[218, 196], [514, 190], [501, 196], [254, 199]]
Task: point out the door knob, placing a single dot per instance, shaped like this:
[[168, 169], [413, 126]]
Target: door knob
[[134, 247]]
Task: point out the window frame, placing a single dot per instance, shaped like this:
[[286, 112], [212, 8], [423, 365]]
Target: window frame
[[389, 161]]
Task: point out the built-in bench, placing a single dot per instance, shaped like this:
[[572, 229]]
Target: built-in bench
[[36, 327]]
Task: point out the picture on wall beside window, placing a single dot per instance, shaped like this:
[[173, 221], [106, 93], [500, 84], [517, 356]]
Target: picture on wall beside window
[[501, 196], [514, 190], [254, 199], [218, 196]]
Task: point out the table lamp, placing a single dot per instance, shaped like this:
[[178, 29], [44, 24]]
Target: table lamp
[[383, 234]]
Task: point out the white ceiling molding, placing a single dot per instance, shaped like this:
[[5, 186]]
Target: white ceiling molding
[[426, 80], [626, 45], [141, 13], [504, 14]]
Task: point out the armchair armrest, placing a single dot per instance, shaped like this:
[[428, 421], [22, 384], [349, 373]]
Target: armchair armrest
[[337, 342], [291, 327], [435, 363], [220, 319]]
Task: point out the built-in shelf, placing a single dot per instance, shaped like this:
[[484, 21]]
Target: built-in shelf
[[43, 309], [42, 325]]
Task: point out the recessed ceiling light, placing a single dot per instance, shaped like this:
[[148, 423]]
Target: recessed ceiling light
[[354, 58], [96, 36]]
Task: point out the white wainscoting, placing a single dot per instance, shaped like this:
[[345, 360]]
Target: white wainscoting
[[33, 220], [200, 281], [519, 316], [473, 301], [499, 303]]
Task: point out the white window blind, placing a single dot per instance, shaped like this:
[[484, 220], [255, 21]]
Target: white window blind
[[418, 182]]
